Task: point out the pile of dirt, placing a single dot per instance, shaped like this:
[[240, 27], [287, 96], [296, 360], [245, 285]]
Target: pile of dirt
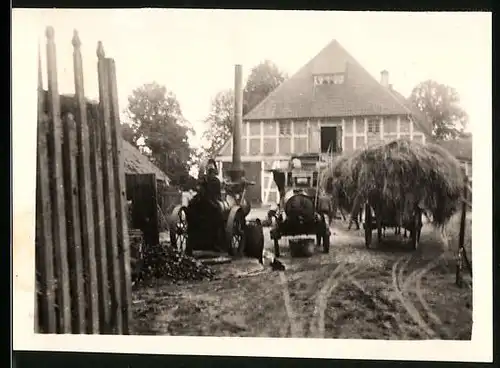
[[166, 263]]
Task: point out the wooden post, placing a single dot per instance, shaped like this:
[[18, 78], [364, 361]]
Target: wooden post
[[109, 188], [461, 238], [45, 246], [368, 226], [57, 188], [461, 235], [121, 197], [84, 180], [73, 233], [101, 258]]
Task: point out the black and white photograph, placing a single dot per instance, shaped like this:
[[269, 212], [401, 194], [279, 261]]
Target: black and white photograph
[[299, 183]]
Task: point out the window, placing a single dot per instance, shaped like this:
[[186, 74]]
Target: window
[[373, 126], [285, 128], [336, 78]]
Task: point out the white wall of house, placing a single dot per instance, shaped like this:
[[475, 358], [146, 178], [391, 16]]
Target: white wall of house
[[272, 142], [363, 131]]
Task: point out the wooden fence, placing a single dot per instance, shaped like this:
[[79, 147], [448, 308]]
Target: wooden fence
[[82, 245]]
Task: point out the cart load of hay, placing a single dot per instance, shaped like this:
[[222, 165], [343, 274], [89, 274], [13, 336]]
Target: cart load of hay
[[401, 175]]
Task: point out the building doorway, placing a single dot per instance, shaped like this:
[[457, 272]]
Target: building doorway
[[333, 136]]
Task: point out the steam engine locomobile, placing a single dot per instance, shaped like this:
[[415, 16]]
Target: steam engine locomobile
[[302, 210], [212, 223]]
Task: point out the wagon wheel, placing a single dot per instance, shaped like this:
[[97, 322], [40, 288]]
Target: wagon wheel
[[368, 226], [178, 228], [235, 232]]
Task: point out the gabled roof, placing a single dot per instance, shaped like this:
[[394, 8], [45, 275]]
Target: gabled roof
[[360, 94], [461, 148]]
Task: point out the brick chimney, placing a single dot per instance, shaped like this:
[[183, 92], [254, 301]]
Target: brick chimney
[[384, 78]]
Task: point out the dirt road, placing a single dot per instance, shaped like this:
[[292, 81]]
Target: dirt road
[[388, 293]]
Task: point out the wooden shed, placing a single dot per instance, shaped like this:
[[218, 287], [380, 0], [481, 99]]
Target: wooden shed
[[149, 193]]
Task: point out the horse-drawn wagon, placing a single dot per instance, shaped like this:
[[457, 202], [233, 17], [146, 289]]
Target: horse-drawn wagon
[[395, 183]]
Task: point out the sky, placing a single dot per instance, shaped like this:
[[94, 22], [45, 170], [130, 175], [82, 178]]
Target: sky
[[193, 52]]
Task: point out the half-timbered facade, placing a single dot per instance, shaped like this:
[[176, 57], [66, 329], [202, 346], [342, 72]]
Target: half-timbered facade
[[332, 104]]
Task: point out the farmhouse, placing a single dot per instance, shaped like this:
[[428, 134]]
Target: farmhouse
[[461, 148], [331, 102]]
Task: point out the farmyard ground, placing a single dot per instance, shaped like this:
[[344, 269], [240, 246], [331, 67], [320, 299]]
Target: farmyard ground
[[386, 293]]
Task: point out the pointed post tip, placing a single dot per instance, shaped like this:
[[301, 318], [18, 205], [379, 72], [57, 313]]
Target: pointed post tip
[[100, 50], [49, 32], [76, 39]]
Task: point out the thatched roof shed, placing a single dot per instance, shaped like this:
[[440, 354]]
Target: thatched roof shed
[[137, 163], [399, 174]]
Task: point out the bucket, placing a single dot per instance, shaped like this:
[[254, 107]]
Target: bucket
[[301, 247]]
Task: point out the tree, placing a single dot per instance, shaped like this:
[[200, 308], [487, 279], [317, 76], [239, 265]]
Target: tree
[[128, 133], [263, 79], [156, 117], [440, 104], [220, 122]]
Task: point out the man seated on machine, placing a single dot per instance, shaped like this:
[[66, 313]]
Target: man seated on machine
[[212, 192], [212, 182]]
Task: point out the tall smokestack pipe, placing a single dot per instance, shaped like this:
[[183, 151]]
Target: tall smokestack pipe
[[384, 78], [236, 171]]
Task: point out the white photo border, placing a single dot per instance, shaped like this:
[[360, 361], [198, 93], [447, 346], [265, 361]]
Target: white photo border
[[26, 33]]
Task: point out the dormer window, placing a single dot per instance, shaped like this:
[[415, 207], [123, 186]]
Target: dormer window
[[335, 78]]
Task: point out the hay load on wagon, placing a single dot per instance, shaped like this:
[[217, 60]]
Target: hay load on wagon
[[400, 177]]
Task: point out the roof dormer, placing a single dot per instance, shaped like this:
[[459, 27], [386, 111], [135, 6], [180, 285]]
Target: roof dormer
[[333, 78]]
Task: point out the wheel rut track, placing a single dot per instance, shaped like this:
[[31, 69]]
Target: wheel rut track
[[317, 320], [295, 326], [378, 300], [339, 275], [431, 327]]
